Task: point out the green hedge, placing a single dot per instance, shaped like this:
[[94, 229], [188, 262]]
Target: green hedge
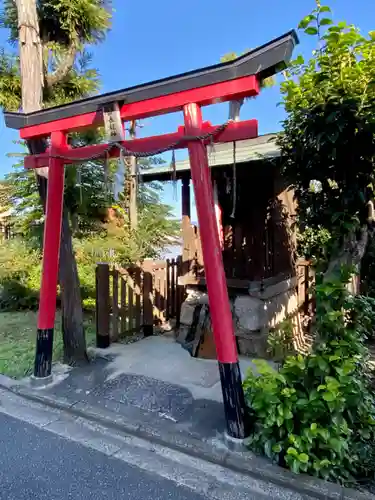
[[20, 277]]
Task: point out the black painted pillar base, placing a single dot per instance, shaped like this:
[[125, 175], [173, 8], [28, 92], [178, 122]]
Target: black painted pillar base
[[43, 353], [234, 400], [103, 341], [148, 330]]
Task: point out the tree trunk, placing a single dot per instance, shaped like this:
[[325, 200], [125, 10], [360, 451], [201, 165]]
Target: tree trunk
[[31, 58], [72, 314], [32, 80], [351, 255]]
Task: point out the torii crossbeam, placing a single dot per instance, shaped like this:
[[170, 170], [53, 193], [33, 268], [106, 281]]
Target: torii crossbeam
[[187, 92]]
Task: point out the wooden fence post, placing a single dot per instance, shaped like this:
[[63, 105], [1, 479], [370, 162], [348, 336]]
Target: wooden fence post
[[103, 308], [168, 308], [179, 289], [138, 306], [123, 313], [148, 308], [115, 306]]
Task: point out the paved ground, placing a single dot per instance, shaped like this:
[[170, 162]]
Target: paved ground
[[40, 465], [171, 404], [49, 454], [152, 380]]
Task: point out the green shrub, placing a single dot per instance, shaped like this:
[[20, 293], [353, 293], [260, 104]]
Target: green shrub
[[280, 340], [19, 276], [15, 296], [317, 413]]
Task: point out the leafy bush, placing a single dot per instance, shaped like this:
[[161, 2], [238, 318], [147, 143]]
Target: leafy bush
[[15, 296], [19, 276], [312, 243], [280, 340], [317, 413]]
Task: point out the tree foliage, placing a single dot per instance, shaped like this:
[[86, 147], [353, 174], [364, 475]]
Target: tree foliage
[[317, 413], [66, 28], [88, 198], [65, 22], [328, 143]]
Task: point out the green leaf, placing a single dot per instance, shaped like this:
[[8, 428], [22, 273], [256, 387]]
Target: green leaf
[[303, 457], [325, 462], [268, 449], [311, 31], [336, 444], [334, 357], [323, 365], [292, 452], [279, 420], [306, 21], [324, 8], [324, 433], [302, 402], [295, 466], [325, 21], [329, 396], [334, 29], [366, 434], [288, 414], [299, 60], [276, 448]]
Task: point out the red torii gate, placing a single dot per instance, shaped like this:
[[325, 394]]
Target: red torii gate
[[187, 92]]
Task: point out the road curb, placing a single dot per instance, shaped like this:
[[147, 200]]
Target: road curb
[[244, 462]]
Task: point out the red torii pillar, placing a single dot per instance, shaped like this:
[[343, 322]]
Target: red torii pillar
[[50, 263], [221, 316]]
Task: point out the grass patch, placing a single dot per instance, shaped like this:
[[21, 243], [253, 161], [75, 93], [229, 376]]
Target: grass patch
[[17, 341]]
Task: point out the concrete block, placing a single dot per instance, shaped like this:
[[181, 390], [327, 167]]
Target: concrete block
[[248, 312]]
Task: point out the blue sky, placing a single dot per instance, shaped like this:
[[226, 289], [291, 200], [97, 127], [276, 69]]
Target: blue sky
[[150, 40]]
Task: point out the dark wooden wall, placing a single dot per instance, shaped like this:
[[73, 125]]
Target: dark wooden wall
[[258, 240]]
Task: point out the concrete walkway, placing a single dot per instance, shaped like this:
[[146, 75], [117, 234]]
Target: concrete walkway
[[161, 358], [155, 377]]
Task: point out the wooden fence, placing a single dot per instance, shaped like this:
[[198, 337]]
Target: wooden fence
[[136, 298], [305, 279]]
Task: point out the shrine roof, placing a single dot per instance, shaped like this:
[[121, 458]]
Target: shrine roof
[[259, 149], [264, 61]]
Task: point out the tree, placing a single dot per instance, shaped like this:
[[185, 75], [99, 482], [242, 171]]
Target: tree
[[328, 146], [52, 36]]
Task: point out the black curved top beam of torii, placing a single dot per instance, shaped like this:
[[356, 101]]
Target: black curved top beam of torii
[[262, 62]]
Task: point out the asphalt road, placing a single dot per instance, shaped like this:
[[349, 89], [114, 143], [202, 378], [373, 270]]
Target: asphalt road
[[36, 464]]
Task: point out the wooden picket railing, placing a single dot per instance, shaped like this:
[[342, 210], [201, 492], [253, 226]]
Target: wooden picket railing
[[136, 298], [305, 279]]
